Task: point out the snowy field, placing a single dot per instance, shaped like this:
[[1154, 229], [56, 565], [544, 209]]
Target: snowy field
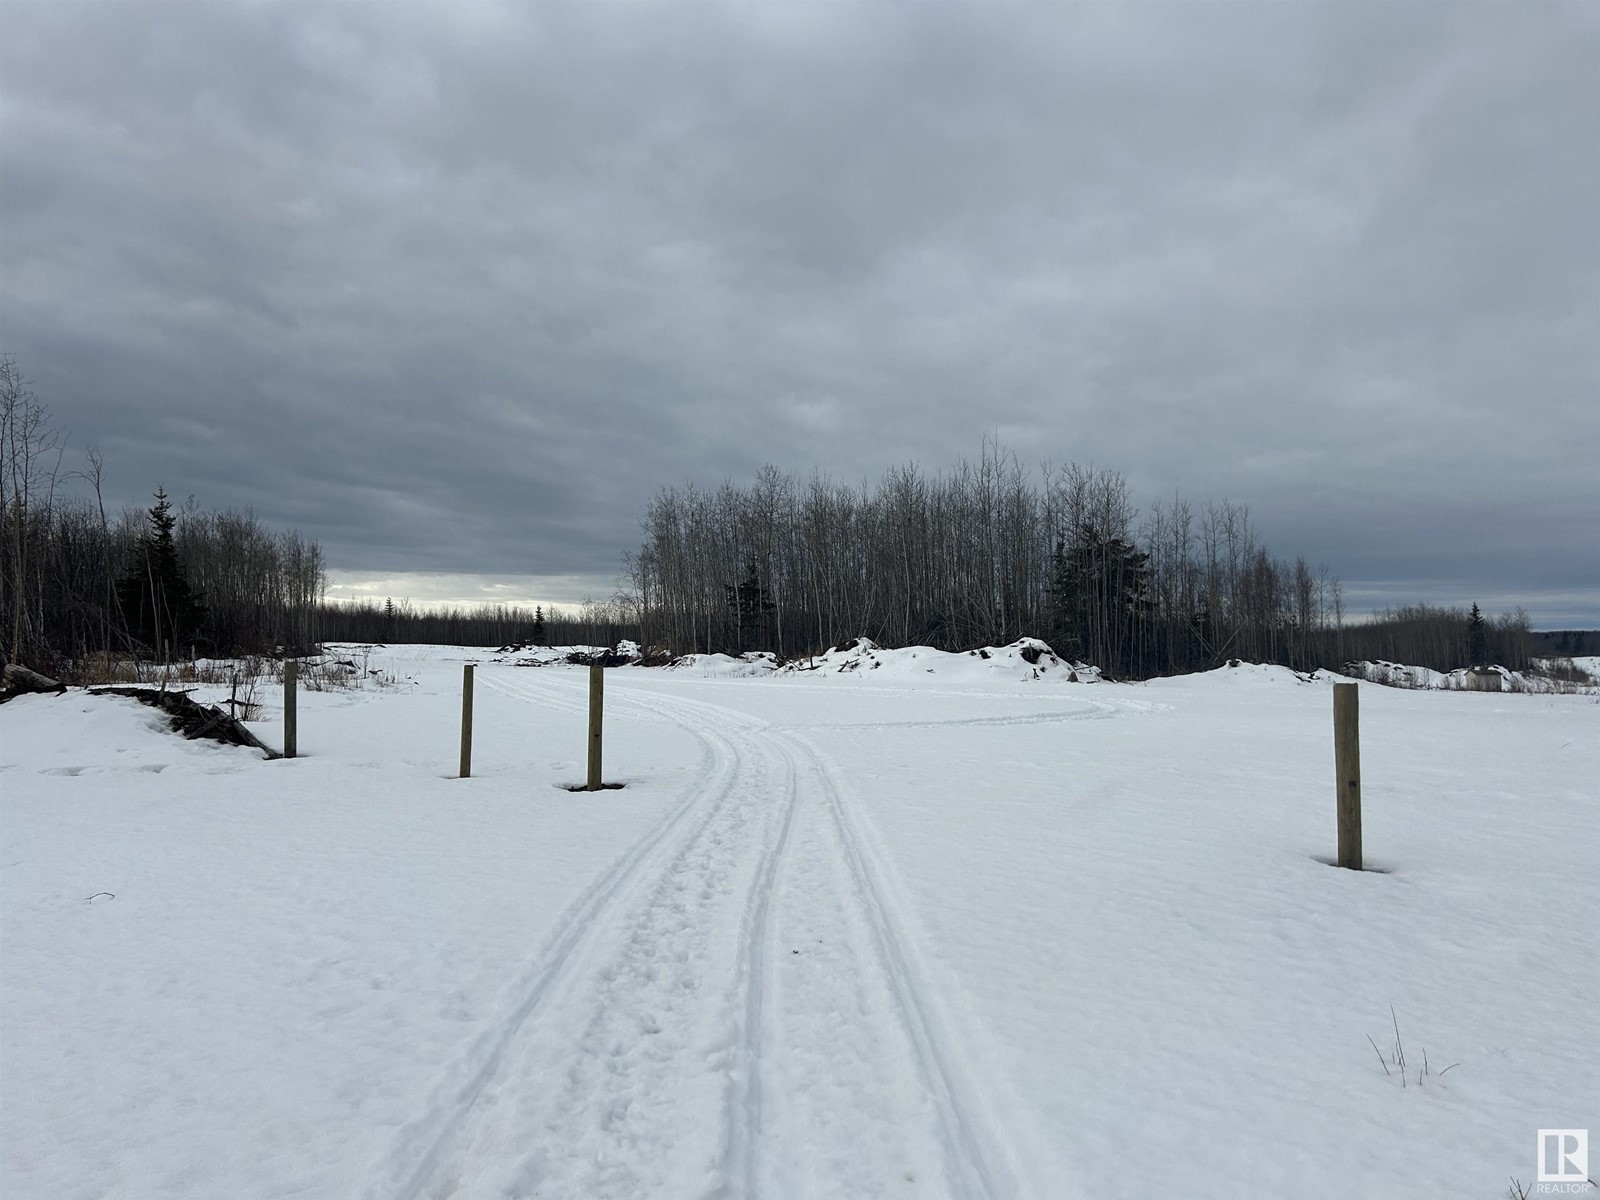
[[875, 933]]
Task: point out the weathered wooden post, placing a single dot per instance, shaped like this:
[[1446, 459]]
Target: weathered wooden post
[[1347, 771], [597, 698], [291, 673], [466, 721]]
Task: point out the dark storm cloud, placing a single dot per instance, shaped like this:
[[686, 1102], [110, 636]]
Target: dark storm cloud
[[454, 288]]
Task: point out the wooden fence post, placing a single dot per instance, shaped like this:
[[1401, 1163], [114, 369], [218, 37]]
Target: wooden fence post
[[1347, 770], [597, 696], [291, 731], [466, 721]]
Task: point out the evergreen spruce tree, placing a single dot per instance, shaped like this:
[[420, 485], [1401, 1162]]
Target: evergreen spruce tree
[[748, 601], [1099, 591], [1476, 639], [162, 612], [538, 625]]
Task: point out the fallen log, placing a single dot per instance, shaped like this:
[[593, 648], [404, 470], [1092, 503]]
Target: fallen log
[[17, 680]]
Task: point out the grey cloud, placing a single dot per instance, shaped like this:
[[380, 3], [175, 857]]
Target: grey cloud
[[455, 287]]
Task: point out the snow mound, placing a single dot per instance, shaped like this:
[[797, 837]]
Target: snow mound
[[725, 666], [1236, 674], [407, 652], [1462, 679], [1026, 658], [1584, 664], [540, 656]]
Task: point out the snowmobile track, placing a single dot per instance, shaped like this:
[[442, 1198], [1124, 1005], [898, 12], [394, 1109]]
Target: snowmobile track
[[979, 1164], [407, 1173], [670, 964]]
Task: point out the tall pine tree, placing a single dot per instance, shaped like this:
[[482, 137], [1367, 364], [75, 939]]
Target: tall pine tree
[[1476, 640], [1099, 598], [161, 611]]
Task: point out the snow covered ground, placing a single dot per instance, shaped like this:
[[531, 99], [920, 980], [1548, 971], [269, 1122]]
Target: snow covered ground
[[874, 932]]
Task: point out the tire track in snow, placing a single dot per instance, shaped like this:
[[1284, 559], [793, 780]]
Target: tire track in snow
[[745, 1134], [409, 1172], [679, 710], [851, 1113], [1099, 711], [638, 704], [551, 695], [978, 1162], [669, 1029], [659, 979], [662, 997]]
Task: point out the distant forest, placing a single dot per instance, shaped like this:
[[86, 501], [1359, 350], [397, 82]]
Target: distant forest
[[976, 555], [982, 554], [1565, 643], [489, 625], [80, 587]]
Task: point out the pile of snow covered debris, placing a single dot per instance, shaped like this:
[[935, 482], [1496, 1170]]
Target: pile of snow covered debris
[[1462, 679], [623, 654], [726, 666], [1586, 666], [1025, 658], [1237, 672]]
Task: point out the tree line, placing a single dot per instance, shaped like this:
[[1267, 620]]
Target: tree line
[[592, 623], [986, 552], [80, 585], [1442, 638], [983, 553]]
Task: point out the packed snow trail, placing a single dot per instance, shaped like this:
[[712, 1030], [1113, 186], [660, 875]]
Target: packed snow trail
[[735, 1009]]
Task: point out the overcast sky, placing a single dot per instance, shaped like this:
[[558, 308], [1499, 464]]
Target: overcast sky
[[454, 288]]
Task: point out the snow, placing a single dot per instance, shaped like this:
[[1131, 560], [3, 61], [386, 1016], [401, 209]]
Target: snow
[[844, 933], [1459, 680], [1026, 658], [724, 666], [1589, 664]]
